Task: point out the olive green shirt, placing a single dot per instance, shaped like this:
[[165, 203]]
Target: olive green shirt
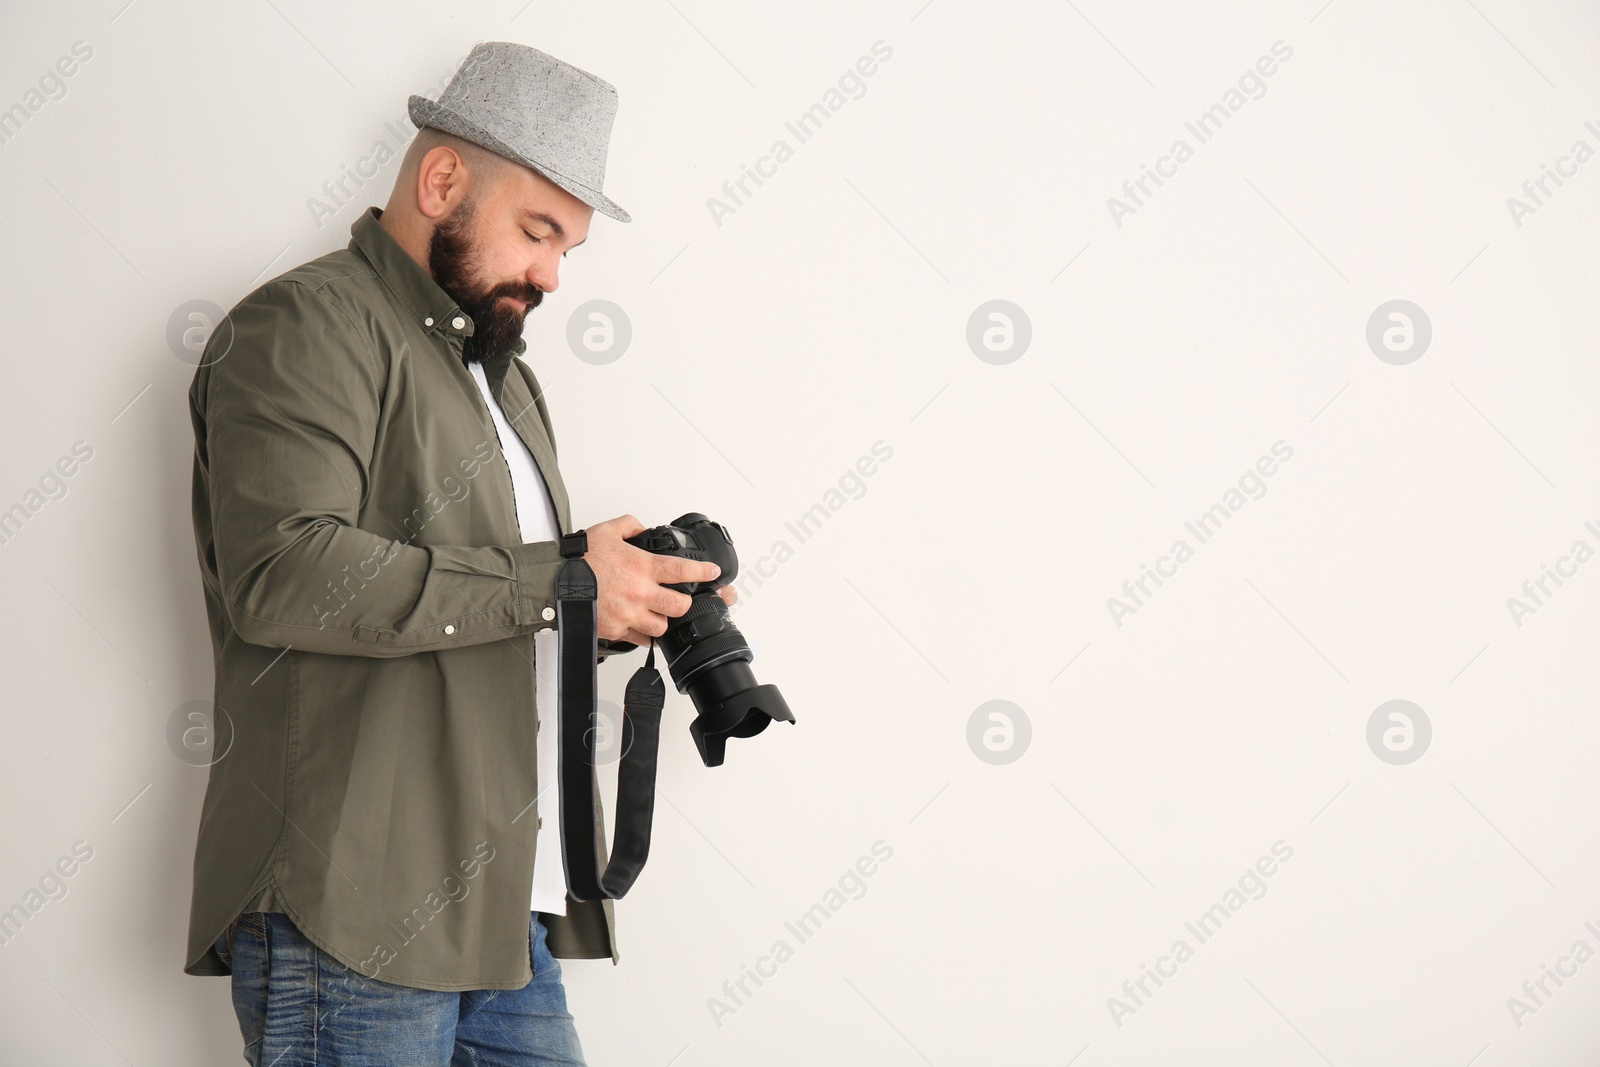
[[372, 610]]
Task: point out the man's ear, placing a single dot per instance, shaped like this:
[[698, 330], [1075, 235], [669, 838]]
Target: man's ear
[[442, 182]]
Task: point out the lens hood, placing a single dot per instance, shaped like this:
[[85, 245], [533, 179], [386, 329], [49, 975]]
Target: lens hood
[[743, 714]]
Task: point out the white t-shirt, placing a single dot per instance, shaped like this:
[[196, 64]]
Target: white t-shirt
[[536, 516]]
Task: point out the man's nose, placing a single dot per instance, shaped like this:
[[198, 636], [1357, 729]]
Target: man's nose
[[542, 275]]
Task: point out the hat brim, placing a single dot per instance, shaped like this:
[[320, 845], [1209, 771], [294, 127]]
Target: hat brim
[[425, 112]]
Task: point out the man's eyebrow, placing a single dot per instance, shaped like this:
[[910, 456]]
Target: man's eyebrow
[[555, 227]]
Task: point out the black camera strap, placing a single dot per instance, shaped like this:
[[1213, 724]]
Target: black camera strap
[[577, 691]]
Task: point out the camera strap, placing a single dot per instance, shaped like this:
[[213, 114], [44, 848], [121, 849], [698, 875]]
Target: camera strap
[[577, 692]]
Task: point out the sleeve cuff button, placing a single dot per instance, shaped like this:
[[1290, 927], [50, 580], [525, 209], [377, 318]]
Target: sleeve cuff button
[[450, 629]]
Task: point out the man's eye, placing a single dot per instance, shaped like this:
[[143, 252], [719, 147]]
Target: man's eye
[[536, 239]]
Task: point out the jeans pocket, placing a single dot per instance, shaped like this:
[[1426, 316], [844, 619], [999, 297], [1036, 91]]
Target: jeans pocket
[[252, 967], [253, 923], [224, 945]]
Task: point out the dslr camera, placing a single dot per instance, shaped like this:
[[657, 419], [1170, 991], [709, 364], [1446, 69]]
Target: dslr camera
[[706, 654]]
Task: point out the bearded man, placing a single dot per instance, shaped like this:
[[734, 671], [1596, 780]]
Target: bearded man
[[378, 514]]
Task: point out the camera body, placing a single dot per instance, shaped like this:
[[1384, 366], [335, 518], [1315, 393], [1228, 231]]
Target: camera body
[[693, 536], [707, 656]]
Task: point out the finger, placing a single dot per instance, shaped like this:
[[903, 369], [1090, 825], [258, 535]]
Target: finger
[[654, 624], [634, 637], [729, 594], [670, 602], [670, 569], [623, 525]]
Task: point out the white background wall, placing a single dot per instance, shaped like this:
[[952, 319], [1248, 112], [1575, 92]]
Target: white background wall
[[828, 312]]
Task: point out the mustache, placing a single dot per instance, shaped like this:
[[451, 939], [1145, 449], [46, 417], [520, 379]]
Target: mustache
[[531, 297]]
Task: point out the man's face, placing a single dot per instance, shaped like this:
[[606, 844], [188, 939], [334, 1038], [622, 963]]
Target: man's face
[[499, 252]]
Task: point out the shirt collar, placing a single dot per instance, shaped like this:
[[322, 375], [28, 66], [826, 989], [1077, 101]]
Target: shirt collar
[[431, 307]]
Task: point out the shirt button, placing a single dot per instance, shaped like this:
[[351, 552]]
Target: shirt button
[[450, 629], [428, 321], [458, 322], [548, 613]]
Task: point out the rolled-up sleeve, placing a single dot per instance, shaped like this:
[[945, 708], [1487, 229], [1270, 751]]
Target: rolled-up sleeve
[[290, 413]]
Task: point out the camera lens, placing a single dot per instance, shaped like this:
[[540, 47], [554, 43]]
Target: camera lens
[[707, 656], [709, 659]]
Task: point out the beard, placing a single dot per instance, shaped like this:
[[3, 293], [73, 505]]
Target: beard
[[453, 261]]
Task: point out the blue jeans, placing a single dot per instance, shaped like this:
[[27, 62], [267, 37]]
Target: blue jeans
[[300, 1007]]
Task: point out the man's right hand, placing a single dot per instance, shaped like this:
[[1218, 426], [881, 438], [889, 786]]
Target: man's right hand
[[634, 604]]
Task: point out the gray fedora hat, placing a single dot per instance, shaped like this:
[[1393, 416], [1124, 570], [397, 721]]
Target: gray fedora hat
[[532, 108]]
